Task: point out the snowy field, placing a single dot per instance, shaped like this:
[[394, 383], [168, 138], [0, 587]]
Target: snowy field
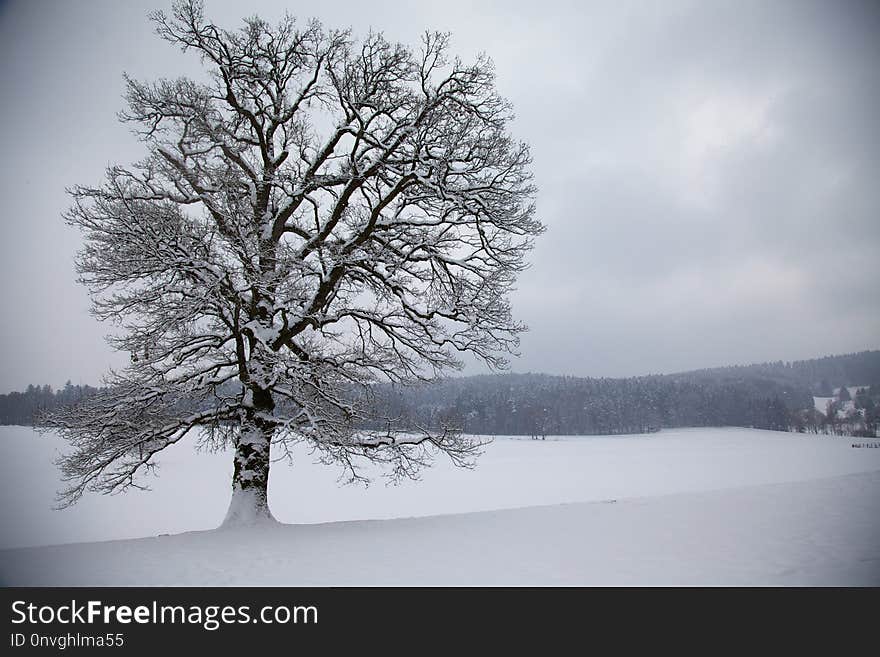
[[694, 506]]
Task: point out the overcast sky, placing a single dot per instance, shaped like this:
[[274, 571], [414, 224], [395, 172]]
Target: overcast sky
[[709, 172]]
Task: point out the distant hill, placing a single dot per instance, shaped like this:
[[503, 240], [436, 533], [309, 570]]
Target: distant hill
[[821, 375], [768, 395]]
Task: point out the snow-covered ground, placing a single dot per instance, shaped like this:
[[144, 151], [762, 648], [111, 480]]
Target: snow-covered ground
[[821, 532], [695, 506]]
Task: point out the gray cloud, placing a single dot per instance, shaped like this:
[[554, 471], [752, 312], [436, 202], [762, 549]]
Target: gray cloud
[[707, 171]]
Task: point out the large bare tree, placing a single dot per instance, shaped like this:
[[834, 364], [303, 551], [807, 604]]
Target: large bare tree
[[317, 215]]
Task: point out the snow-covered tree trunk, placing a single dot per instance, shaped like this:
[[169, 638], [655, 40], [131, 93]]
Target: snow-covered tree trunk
[[250, 475]]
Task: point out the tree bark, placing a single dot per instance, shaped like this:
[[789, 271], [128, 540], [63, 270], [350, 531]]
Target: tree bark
[[250, 477]]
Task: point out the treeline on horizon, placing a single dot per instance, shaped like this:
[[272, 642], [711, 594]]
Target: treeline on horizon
[[776, 396], [541, 405], [24, 407]]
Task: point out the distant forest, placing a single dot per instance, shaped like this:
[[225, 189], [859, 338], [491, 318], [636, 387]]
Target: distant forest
[[23, 407], [775, 396]]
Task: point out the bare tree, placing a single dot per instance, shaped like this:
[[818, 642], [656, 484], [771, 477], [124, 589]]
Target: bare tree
[[318, 215]]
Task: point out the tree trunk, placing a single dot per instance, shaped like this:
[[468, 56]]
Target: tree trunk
[[250, 477]]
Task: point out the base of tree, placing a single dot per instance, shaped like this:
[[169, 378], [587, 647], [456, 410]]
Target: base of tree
[[247, 507]]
